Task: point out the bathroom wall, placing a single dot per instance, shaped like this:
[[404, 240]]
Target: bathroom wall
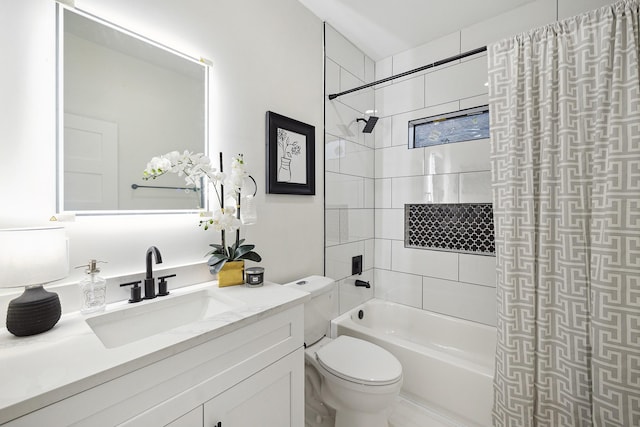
[[349, 169], [461, 285], [257, 66]]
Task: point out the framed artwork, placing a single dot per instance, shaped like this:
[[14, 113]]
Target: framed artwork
[[290, 156]]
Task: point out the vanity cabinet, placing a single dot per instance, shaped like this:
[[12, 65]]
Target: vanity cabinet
[[251, 376]]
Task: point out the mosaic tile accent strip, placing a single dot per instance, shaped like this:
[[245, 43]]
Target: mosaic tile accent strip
[[462, 227]]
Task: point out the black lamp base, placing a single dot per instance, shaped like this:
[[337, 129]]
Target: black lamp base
[[35, 311]]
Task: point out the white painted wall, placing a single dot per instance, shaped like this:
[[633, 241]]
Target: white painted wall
[[266, 56]]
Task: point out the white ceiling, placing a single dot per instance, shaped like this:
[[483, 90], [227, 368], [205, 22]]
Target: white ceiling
[[382, 28]]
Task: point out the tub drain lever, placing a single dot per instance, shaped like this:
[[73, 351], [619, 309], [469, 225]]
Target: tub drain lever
[[362, 283]]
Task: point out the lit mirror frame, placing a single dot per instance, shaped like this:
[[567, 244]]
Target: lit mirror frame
[[168, 181]]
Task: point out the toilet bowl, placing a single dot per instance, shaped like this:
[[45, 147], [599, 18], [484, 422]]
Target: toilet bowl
[[358, 379], [354, 379]]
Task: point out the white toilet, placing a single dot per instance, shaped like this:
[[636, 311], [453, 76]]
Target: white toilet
[[355, 378]]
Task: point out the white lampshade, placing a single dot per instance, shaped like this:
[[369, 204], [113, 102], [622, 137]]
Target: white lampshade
[[33, 256]]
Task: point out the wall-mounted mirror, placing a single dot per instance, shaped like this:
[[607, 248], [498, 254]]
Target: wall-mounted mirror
[[122, 100]]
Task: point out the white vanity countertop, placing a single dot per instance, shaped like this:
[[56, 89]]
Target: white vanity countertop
[[42, 369]]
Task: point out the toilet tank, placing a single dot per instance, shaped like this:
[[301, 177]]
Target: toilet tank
[[321, 309]]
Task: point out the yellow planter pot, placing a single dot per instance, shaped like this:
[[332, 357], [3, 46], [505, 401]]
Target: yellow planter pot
[[231, 274]]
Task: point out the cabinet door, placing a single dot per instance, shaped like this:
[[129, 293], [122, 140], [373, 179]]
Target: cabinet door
[[273, 397]]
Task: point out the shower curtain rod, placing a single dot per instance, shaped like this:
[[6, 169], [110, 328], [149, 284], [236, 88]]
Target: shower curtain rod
[[415, 70]]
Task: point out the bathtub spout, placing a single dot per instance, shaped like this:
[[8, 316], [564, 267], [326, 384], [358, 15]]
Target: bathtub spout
[[363, 283]]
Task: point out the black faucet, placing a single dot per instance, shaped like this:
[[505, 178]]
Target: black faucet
[[362, 283], [149, 281]]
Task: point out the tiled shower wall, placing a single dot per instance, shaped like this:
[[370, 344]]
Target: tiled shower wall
[[369, 181], [349, 169]]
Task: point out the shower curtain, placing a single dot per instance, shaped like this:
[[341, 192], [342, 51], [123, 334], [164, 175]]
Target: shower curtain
[[565, 135]]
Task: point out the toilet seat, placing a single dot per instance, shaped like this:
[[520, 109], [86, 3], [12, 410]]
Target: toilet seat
[[359, 361]]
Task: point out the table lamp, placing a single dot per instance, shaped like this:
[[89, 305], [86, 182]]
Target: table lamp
[[32, 257]]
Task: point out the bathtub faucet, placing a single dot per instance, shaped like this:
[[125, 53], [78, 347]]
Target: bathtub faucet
[[363, 283]]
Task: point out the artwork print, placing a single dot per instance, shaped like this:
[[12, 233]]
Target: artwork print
[[292, 157]]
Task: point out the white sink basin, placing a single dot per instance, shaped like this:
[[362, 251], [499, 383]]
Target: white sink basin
[[144, 319]]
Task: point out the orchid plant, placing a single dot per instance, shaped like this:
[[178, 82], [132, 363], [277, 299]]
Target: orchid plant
[[197, 168]]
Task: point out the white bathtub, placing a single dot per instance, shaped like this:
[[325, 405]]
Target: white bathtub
[[447, 362]]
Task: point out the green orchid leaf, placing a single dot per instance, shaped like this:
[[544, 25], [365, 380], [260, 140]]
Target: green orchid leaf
[[216, 246], [251, 256], [214, 269], [243, 250], [216, 259]]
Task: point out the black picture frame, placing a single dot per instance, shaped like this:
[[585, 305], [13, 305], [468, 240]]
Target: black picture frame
[[291, 167]]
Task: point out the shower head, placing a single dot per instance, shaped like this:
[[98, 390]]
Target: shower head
[[369, 124]]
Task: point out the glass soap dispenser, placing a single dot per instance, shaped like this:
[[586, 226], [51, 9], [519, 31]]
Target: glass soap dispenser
[[93, 289]]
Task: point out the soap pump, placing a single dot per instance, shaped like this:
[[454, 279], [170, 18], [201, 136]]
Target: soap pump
[[93, 289]]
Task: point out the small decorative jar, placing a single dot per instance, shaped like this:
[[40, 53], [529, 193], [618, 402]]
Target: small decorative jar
[[254, 276]]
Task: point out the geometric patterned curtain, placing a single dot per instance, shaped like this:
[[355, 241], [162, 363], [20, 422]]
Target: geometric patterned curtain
[[565, 134]]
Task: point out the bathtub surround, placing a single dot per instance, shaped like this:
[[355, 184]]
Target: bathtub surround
[[566, 194], [460, 285]]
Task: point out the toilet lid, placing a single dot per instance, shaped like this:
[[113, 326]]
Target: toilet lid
[[359, 361]]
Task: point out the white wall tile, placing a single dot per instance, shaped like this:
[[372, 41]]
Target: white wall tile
[[475, 187], [361, 100], [343, 52], [382, 132], [333, 150], [524, 18], [470, 156], [400, 122], [424, 189], [383, 193], [344, 225], [369, 193], [443, 265], [398, 287], [358, 160], [352, 296], [332, 227], [369, 254], [389, 224], [359, 225], [477, 269], [369, 70], [471, 302], [332, 77], [366, 139], [338, 259], [340, 120], [344, 191], [568, 8], [458, 81], [400, 97], [399, 161], [427, 53], [474, 101], [384, 69], [382, 254]]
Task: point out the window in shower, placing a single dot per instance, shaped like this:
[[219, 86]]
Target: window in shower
[[458, 126]]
